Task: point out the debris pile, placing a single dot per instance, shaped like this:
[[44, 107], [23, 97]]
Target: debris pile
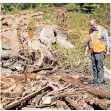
[[58, 91]]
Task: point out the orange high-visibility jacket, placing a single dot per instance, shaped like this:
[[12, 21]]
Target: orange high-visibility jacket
[[97, 44]]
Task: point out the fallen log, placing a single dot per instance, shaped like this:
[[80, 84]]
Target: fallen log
[[99, 92], [73, 104], [53, 70], [15, 103], [94, 91]]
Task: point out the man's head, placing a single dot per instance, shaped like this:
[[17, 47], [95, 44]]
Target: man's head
[[93, 23]]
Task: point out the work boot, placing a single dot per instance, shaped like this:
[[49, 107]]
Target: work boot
[[103, 82], [102, 85]]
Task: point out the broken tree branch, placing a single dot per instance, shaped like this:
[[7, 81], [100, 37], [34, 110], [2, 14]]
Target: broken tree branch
[[37, 70], [94, 91]]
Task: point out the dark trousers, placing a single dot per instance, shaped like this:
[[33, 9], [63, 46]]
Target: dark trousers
[[98, 66]]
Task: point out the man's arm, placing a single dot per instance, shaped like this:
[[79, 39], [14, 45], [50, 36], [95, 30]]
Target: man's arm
[[106, 37], [86, 48]]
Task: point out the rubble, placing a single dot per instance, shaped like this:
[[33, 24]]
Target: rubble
[[42, 91]]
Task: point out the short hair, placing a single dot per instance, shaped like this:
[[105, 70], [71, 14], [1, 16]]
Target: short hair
[[94, 20]]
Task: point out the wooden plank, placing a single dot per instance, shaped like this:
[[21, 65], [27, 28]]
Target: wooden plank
[[15, 103]]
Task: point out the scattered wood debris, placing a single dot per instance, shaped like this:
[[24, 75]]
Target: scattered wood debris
[[42, 91]]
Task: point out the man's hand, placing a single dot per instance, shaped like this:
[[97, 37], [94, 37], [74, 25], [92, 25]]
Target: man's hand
[[86, 54], [86, 51], [107, 53]]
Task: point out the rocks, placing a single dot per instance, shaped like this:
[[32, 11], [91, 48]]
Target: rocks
[[47, 36], [18, 67], [5, 43], [10, 39], [6, 46], [64, 42]]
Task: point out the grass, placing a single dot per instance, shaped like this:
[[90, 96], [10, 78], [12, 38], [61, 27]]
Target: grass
[[73, 59], [15, 11], [50, 16], [77, 20], [32, 22]]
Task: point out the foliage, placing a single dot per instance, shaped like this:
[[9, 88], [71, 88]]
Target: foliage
[[78, 21], [102, 14], [73, 59], [50, 16], [82, 7]]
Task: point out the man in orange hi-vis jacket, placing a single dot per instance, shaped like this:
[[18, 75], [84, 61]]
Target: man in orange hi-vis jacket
[[99, 46]]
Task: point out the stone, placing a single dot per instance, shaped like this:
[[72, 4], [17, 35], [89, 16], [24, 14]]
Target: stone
[[6, 46], [47, 36], [63, 42]]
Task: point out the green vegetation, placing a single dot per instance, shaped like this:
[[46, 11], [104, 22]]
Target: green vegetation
[[32, 23], [102, 14], [49, 17], [77, 20]]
